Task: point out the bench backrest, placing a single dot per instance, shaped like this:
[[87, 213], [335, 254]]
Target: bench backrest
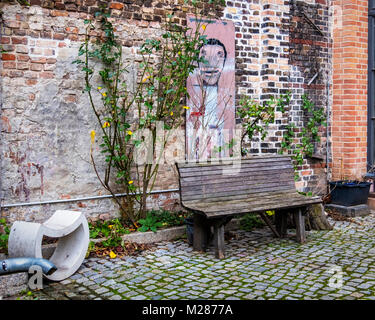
[[228, 179]]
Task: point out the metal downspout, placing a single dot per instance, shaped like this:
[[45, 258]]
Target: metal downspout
[[14, 265]]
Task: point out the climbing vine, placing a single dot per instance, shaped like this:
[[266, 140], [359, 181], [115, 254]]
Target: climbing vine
[[257, 117], [129, 115], [308, 135]]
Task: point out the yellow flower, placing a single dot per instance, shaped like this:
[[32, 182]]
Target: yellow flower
[[129, 132], [179, 53], [145, 79], [204, 27], [104, 94], [110, 226], [112, 255], [186, 107], [99, 88], [106, 124], [92, 134], [131, 181], [171, 113]]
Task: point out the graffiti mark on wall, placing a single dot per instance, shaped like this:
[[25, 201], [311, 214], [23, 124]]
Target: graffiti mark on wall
[[30, 175]]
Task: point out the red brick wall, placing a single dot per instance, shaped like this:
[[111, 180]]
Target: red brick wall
[[349, 109]]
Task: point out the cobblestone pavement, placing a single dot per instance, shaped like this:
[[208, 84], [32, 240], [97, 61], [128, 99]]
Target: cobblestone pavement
[[258, 266]]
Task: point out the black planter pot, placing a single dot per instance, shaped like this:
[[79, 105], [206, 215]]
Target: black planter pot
[[349, 193]]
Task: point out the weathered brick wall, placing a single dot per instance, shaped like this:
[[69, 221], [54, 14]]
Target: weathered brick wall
[[262, 70], [349, 109], [287, 52], [46, 119], [310, 60]]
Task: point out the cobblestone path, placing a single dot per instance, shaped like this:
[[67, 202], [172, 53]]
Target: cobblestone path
[[337, 264]]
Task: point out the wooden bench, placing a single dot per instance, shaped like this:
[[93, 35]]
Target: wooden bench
[[215, 192]]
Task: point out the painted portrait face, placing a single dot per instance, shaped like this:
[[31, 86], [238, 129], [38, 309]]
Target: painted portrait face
[[214, 54]]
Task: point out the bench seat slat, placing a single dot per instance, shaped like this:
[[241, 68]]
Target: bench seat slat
[[260, 208], [209, 207], [267, 196], [262, 195], [248, 197], [238, 206]]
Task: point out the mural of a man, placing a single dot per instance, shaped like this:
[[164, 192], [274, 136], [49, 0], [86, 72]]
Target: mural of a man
[[211, 94], [213, 54]]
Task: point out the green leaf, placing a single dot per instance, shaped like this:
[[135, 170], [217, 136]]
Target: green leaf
[[143, 229], [137, 143]]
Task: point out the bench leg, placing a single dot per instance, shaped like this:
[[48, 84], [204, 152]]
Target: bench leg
[[299, 219], [201, 233], [269, 223], [219, 239], [281, 223]]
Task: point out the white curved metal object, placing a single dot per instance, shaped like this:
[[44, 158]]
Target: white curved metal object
[[71, 229]]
